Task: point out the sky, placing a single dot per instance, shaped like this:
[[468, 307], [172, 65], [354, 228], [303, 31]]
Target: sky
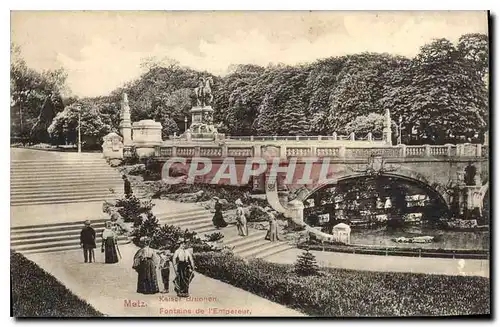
[[101, 51]]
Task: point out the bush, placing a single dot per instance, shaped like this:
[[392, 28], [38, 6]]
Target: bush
[[348, 293], [35, 293], [131, 208], [306, 264], [214, 237]]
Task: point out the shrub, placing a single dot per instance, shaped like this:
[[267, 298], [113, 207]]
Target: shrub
[[35, 293], [306, 264], [131, 208], [349, 293], [214, 237]]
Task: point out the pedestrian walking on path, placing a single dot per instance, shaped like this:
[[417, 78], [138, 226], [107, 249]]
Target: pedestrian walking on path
[[218, 219], [184, 269], [109, 245], [87, 242], [241, 219], [146, 261], [165, 260]]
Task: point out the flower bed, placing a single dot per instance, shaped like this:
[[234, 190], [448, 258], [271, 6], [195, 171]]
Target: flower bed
[[38, 294], [348, 293]]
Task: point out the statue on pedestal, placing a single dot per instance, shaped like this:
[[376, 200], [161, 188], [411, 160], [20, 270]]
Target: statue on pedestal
[[203, 92]]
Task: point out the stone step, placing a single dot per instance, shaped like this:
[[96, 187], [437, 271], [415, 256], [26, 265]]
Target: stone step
[[61, 248], [65, 175], [52, 167], [68, 190], [59, 199], [64, 183], [262, 254], [238, 241], [58, 243], [188, 220], [251, 246], [261, 247]]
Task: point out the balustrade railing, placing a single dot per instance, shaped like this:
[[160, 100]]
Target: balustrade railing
[[401, 151]]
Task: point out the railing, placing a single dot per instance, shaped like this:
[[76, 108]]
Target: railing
[[333, 137], [287, 151]]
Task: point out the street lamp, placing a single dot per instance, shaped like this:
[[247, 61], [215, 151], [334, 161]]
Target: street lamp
[[399, 129], [185, 123], [79, 130]]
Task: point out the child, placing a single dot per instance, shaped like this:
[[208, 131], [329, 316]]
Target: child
[[165, 259]]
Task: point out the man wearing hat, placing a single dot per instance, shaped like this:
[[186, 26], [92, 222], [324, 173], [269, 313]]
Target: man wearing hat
[[87, 242]]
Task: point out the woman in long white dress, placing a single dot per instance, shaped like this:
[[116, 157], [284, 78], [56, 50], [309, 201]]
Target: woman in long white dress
[[241, 219]]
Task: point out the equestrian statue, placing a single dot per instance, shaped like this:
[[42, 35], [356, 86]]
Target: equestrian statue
[[203, 92]]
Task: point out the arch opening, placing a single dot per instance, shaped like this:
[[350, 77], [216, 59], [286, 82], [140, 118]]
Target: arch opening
[[375, 202]]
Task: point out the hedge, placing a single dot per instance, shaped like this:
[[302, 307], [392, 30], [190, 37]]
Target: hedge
[[349, 293], [35, 293]]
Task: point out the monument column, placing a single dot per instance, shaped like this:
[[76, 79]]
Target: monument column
[[387, 134], [125, 122]]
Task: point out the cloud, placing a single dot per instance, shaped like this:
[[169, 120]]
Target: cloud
[[103, 51]]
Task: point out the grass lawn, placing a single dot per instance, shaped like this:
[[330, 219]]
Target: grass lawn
[[350, 293], [36, 293]]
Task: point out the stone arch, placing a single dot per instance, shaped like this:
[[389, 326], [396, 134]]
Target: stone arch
[[402, 173]]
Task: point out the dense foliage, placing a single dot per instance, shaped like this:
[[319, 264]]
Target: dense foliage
[[441, 95], [35, 293], [347, 293]]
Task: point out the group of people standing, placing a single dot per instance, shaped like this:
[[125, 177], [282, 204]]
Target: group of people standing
[[148, 261], [241, 220], [109, 245]]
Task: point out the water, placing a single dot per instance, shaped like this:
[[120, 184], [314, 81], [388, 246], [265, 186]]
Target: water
[[479, 240]]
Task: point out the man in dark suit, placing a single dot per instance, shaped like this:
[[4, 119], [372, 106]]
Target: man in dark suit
[[87, 242]]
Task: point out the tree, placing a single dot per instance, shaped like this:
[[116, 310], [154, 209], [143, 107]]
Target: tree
[[372, 123], [35, 97], [306, 264], [93, 125]]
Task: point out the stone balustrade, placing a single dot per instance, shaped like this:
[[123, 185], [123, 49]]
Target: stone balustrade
[[340, 152]]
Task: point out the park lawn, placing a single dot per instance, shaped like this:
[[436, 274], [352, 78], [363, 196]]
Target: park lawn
[[35, 293], [350, 293]]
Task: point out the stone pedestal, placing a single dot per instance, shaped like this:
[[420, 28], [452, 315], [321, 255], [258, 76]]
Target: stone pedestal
[[112, 147], [202, 126], [146, 135], [295, 211]]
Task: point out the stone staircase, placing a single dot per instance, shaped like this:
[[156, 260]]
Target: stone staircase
[[252, 246], [66, 236], [55, 181]]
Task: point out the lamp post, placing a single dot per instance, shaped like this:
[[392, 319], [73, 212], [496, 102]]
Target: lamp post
[[399, 129], [185, 123], [79, 130]]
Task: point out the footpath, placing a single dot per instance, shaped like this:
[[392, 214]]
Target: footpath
[[438, 266], [111, 289]]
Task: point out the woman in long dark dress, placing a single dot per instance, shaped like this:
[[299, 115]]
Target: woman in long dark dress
[[218, 219], [109, 244], [145, 262], [183, 267]]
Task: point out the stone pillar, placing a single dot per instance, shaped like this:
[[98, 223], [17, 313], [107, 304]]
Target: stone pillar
[[257, 151], [387, 133], [147, 135], [478, 150], [403, 150], [125, 122], [342, 151], [486, 138], [295, 211], [334, 135]]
